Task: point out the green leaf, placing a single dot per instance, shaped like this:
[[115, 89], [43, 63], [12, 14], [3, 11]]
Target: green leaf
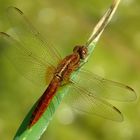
[[35, 132]]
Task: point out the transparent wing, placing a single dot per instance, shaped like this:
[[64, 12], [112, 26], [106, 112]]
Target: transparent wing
[[104, 88], [86, 102], [31, 38], [33, 68]]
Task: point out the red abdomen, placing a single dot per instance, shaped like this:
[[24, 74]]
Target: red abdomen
[[45, 100], [63, 71]]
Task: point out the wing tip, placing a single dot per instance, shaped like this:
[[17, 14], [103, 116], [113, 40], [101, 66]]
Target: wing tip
[[14, 8], [133, 92], [130, 88], [4, 34], [120, 118], [117, 110]]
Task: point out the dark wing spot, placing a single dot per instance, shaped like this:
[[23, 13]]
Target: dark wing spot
[[117, 110], [130, 88], [18, 10], [5, 34]]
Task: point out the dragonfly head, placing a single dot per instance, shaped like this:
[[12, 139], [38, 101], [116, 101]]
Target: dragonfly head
[[81, 50]]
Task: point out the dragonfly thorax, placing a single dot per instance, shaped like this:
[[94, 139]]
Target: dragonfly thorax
[[81, 50]]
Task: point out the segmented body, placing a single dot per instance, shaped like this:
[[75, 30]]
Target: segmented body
[[62, 74]]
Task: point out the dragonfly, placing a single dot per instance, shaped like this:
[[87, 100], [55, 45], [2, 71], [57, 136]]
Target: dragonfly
[[39, 62]]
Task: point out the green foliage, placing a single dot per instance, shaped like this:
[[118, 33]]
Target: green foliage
[[65, 24]]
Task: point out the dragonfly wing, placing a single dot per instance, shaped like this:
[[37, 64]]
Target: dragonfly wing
[[31, 38], [85, 102], [101, 87], [25, 61]]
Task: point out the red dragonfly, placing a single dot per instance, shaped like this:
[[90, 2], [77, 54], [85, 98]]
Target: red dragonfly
[[37, 61]]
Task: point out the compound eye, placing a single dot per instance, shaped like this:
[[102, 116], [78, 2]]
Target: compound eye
[[76, 49], [83, 52]]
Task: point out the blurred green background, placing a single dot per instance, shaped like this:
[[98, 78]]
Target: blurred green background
[[116, 57]]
